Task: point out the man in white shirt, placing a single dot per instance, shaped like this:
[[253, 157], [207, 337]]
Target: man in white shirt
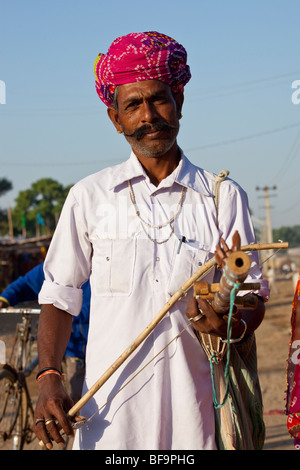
[[138, 231]]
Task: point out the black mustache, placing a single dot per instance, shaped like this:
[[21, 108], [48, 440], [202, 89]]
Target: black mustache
[[147, 128]]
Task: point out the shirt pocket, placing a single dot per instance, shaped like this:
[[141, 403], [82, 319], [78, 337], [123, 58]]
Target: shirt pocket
[[186, 263], [113, 266]]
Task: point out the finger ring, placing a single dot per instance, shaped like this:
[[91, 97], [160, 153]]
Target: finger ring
[[39, 421], [48, 421], [197, 317]]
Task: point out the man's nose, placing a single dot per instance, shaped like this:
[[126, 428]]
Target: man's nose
[[149, 112]]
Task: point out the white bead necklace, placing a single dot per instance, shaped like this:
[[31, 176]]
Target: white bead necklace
[[168, 222]]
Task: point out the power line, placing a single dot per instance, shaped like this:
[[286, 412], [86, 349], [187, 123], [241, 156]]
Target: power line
[[248, 137], [290, 208], [231, 92], [241, 85], [217, 144], [289, 158], [85, 110], [57, 164]]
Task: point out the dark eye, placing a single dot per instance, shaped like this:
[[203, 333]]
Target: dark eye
[[160, 99], [131, 105]]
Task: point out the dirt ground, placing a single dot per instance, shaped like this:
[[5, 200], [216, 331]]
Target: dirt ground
[[273, 338]]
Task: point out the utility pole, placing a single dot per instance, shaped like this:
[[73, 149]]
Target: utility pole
[[268, 233], [10, 223]]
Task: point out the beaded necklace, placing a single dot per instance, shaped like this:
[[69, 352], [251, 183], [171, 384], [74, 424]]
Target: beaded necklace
[[168, 222]]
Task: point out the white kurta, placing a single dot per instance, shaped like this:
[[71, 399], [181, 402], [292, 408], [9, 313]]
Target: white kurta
[[99, 236]]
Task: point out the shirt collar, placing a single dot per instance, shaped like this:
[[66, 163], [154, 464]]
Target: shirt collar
[[192, 177], [186, 174], [127, 170]]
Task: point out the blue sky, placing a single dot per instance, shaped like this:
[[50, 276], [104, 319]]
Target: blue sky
[[238, 112]]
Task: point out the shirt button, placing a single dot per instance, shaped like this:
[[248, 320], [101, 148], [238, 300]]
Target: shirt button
[[157, 259], [107, 258]]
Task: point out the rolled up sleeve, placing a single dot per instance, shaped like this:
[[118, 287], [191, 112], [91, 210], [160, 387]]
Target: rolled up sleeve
[[65, 298]]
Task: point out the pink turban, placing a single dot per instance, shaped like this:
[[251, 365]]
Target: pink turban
[[141, 56]]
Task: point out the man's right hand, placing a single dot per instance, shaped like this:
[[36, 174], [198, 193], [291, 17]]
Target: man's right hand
[[53, 404]]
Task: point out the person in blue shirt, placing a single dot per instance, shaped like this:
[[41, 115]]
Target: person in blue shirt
[[27, 288]]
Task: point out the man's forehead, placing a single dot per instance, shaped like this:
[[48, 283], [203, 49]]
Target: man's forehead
[[145, 87]]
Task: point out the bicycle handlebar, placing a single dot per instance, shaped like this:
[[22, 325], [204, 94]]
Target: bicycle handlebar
[[29, 311]]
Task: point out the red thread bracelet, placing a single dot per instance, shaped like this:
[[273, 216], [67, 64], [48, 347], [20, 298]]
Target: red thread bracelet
[[47, 372]]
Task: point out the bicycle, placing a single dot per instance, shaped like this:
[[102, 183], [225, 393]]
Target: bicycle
[[16, 410]]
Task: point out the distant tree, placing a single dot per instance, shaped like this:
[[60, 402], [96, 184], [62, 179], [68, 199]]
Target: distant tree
[[5, 186], [288, 234], [37, 208]]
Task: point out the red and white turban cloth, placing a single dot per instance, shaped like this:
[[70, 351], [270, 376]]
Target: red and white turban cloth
[[141, 56]]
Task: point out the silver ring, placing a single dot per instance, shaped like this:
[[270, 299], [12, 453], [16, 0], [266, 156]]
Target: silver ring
[[48, 421], [39, 421], [198, 317]]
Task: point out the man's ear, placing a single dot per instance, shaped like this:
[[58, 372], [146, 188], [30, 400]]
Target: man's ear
[[179, 98], [114, 117]]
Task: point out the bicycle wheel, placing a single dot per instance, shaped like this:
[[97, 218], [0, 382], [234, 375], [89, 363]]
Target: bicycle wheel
[[10, 399], [20, 433], [13, 409]]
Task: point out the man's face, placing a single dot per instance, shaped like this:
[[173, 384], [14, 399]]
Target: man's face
[[148, 114]]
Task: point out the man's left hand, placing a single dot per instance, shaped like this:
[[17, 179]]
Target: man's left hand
[[211, 322]]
